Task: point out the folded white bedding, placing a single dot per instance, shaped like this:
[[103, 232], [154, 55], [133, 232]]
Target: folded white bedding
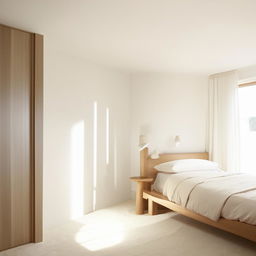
[[160, 182], [241, 207], [212, 193]]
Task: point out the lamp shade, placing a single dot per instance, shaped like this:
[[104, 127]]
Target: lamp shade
[[177, 140], [155, 155]]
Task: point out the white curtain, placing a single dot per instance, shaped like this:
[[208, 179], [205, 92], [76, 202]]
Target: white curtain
[[223, 126]]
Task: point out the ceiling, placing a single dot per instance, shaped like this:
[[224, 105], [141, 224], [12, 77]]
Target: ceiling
[[192, 36]]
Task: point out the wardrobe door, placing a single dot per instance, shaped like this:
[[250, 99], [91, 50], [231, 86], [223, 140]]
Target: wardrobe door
[[16, 141]]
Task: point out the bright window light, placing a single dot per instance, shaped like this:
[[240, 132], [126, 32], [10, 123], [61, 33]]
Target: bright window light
[[247, 111], [105, 231]]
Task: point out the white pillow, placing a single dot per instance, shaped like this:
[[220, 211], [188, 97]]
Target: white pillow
[[186, 165]]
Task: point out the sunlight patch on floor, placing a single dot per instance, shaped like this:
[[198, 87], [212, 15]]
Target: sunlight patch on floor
[[99, 236], [105, 228]]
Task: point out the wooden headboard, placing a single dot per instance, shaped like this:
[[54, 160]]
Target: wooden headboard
[[147, 164]]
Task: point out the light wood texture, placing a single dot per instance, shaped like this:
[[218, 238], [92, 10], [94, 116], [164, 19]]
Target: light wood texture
[[21, 136], [238, 228], [141, 185], [139, 198], [38, 138], [247, 84], [5, 175], [142, 179], [152, 207], [15, 169], [147, 164]]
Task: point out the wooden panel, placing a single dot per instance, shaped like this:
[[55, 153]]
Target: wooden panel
[[147, 164], [5, 177], [141, 179], [20, 136], [38, 138], [15, 165]]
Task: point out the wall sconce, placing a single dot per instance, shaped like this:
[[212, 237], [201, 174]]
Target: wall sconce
[[177, 140], [143, 142], [155, 155]]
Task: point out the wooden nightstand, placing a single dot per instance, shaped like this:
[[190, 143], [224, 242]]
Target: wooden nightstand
[[141, 184]]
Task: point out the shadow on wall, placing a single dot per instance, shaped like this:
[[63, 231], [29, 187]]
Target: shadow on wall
[[94, 162]]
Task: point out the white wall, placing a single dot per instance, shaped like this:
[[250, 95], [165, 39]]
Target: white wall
[[247, 74], [165, 105], [72, 87]]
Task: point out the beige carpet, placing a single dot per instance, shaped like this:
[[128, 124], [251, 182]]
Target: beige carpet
[[117, 231]]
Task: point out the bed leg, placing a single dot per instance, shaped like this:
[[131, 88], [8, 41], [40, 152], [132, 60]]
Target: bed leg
[[152, 207]]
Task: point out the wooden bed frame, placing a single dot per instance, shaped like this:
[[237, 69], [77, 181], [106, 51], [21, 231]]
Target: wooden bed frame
[[155, 199]]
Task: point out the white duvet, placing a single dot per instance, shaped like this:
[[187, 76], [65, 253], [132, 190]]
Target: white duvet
[[212, 193]]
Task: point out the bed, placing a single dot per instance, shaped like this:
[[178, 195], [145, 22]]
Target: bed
[[200, 196]]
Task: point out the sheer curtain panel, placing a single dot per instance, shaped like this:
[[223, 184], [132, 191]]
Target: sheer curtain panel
[[223, 125]]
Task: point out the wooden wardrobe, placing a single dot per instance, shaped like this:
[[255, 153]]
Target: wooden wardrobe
[[21, 137]]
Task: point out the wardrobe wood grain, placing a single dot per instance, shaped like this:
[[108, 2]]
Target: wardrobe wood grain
[[38, 138], [5, 106], [15, 138], [21, 136], [21, 152]]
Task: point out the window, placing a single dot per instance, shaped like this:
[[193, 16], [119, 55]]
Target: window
[[247, 113]]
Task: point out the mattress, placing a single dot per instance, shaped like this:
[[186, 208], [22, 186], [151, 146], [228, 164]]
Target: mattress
[[212, 193]]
